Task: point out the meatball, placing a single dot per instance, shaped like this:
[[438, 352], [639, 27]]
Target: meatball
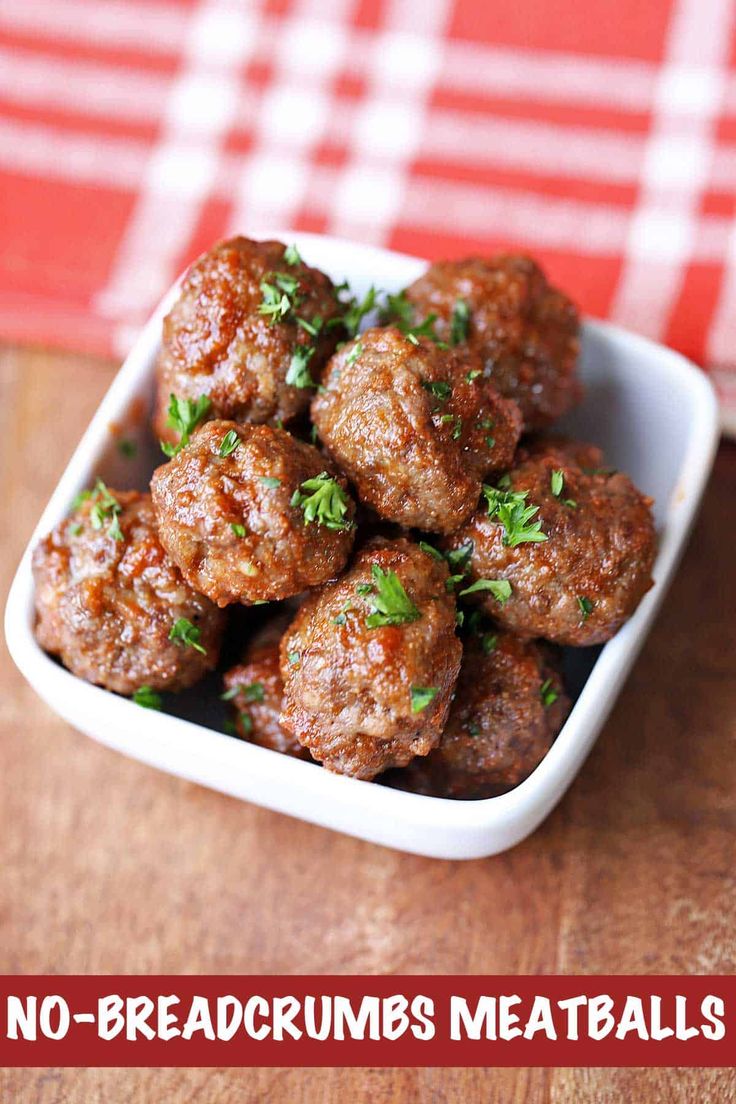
[[250, 514], [255, 688], [509, 706], [524, 330], [370, 662], [252, 327], [415, 427], [559, 550], [112, 605]]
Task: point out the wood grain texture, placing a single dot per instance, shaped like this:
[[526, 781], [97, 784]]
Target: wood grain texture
[[108, 866]]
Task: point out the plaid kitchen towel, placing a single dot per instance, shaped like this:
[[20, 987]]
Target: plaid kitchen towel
[[599, 137]]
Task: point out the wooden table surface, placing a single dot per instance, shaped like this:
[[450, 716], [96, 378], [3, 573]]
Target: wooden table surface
[[109, 866]]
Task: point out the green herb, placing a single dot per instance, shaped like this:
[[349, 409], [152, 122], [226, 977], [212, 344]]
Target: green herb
[[515, 516], [323, 500], [312, 328], [353, 355], [79, 498], [340, 619], [148, 698], [184, 632], [291, 255], [237, 528], [557, 482], [357, 310], [423, 329], [490, 441], [586, 607], [488, 643], [390, 604], [250, 570], [473, 375], [548, 693], [398, 308], [270, 481], [438, 389], [279, 423], [279, 296], [75, 530], [229, 728], [229, 443], [127, 448], [422, 696], [459, 618], [499, 588], [451, 582], [458, 558], [294, 659], [363, 588], [458, 424], [246, 723], [473, 730], [253, 692], [298, 374], [431, 551], [106, 509], [460, 322], [184, 417], [313, 435]]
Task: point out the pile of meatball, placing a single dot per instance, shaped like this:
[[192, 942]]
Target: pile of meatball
[[390, 493]]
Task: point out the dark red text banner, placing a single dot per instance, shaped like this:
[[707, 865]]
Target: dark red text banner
[[367, 1021]]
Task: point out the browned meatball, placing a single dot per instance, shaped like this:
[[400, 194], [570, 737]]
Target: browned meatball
[[509, 705], [255, 688], [370, 662], [249, 513], [572, 572], [415, 427], [112, 605], [524, 330], [230, 338]]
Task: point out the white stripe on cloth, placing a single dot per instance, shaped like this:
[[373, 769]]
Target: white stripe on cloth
[[370, 192], [289, 121], [180, 175], [663, 225]]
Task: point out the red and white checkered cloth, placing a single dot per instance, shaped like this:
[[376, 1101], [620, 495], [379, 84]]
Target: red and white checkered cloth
[[600, 136]]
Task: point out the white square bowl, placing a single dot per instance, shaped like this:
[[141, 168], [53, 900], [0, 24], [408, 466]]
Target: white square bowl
[[652, 412]]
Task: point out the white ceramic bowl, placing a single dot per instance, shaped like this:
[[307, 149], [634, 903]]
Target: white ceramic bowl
[[652, 412]]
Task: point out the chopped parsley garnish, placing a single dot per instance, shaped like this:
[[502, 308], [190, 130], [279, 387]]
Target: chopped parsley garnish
[[499, 588], [270, 481], [237, 528], [294, 659], [430, 550], [79, 498], [460, 322], [127, 448], [299, 374], [106, 509], [586, 607], [488, 643], [363, 588], [184, 632], [313, 435], [229, 443], [423, 329], [323, 500], [438, 389], [473, 730], [356, 310], [148, 698], [75, 530], [515, 516], [422, 696], [457, 424], [279, 296], [389, 602], [557, 482], [547, 693], [459, 618], [253, 692], [246, 723], [291, 255], [353, 355], [473, 375], [398, 308], [458, 558], [184, 416], [451, 582]]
